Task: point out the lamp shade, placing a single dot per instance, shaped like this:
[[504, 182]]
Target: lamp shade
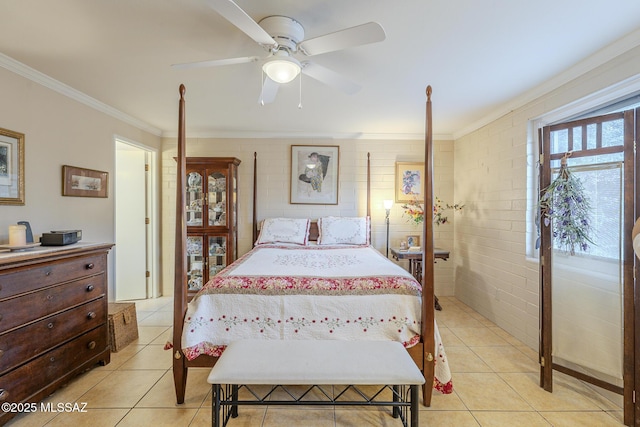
[[388, 204], [282, 69]]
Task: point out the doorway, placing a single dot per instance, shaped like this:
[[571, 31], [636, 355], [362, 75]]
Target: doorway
[[135, 222]]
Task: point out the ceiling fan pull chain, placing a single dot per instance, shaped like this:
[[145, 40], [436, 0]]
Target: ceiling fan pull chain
[[300, 91]]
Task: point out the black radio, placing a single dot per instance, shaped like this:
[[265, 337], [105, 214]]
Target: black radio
[[60, 238]]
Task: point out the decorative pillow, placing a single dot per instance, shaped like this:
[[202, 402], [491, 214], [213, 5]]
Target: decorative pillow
[[284, 230], [339, 230]]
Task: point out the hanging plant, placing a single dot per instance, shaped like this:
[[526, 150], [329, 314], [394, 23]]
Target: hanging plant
[[566, 207]]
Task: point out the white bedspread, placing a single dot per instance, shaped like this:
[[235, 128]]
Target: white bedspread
[[308, 292]]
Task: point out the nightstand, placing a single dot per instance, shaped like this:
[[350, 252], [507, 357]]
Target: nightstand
[[415, 263]]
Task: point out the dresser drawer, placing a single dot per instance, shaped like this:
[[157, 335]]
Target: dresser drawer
[[27, 380], [23, 344], [26, 279], [32, 306]]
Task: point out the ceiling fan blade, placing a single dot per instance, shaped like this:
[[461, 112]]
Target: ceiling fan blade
[[330, 77], [370, 32], [216, 62], [269, 91], [238, 17]]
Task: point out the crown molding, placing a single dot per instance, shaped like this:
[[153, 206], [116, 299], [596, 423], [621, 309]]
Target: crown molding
[[307, 135], [63, 89], [604, 55]]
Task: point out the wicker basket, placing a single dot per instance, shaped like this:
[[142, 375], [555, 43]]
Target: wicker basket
[[123, 325]]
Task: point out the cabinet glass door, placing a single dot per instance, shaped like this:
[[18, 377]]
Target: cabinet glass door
[[217, 199], [194, 199], [217, 254], [195, 262]]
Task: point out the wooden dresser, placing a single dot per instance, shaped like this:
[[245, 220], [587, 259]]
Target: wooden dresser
[[53, 318]]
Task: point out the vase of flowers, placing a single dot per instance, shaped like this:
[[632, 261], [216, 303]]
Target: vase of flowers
[[415, 211]]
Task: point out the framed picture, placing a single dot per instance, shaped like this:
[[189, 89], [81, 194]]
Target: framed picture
[[84, 182], [413, 241], [314, 174], [11, 167], [409, 182]]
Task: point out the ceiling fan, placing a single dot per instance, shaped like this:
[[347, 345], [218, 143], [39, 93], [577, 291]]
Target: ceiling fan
[[283, 38]]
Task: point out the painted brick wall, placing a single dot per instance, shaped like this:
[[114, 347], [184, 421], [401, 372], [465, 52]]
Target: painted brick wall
[[492, 272]]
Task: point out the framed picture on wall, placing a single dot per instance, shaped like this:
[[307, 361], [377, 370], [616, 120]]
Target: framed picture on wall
[[409, 182], [314, 174], [82, 182], [11, 167]]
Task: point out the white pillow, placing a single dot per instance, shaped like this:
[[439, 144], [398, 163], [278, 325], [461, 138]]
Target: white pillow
[[338, 230], [284, 230]]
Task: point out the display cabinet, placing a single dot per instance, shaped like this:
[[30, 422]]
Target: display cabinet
[[212, 217]]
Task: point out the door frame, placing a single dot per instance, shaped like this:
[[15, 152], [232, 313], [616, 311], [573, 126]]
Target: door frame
[[152, 213]]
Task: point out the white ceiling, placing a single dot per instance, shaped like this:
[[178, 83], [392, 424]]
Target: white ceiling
[[482, 57]]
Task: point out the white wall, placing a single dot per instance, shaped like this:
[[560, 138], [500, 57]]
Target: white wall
[[492, 272], [274, 162], [61, 131]]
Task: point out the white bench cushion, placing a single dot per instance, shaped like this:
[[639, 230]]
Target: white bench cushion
[[278, 362]]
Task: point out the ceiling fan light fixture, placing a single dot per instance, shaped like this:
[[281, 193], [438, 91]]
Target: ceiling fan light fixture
[[282, 69]]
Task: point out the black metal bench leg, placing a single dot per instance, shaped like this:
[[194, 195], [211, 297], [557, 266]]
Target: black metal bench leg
[[396, 398], [415, 398], [215, 403], [234, 396]]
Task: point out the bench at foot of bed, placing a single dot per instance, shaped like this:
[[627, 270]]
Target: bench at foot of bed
[[314, 373]]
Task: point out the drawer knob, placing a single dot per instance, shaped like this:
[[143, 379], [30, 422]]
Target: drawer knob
[[89, 288], [1, 353], [91, 315], [52, 359], [90, 266], [91, 345], [49, 297], [4, 394], [50, 325]]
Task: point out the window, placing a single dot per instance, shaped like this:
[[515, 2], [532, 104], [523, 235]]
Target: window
[[622, 96], [600, 174]]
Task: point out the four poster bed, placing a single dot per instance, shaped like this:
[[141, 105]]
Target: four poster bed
[[306, 280]]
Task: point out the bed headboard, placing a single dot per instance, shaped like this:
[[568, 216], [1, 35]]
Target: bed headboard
[[314, 233], [313, 228]]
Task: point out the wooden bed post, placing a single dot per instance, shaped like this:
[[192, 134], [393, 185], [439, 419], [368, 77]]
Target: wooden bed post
[[369, 186], [255, 197], [428, 301], [180, 272]]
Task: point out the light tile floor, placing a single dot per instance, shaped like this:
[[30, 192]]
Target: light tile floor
[[495, 384]]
